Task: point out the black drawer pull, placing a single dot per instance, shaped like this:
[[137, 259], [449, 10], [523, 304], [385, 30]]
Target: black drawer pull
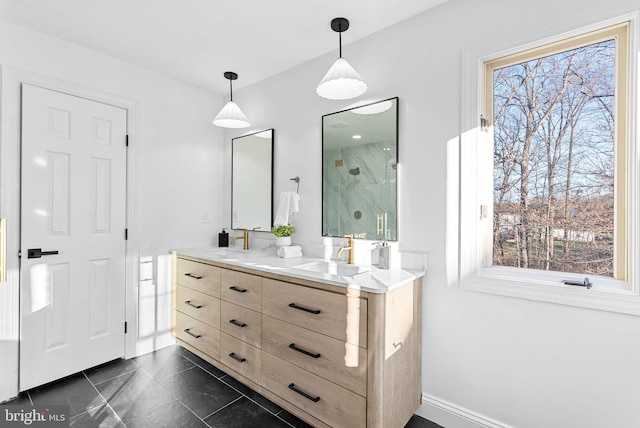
[[302, 308], [237, 358], [304, 394], [303, 351], [188, 303], [239, 324], [238, 289], [190, 275], [188, 331]]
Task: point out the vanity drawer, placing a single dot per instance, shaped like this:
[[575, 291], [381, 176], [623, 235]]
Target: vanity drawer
[[336, 315], [332, 359], [198, 334], [199, 276], [332, 404], [241, 323], [242, 289], [241, 357], [200, 306]]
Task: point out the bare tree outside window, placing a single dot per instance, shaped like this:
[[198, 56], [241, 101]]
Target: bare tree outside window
[[554, 161]]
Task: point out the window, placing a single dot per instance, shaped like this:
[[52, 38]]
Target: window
[[558, 125], [553, 172]]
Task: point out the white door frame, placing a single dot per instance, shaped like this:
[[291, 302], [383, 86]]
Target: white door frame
[[12, 80]]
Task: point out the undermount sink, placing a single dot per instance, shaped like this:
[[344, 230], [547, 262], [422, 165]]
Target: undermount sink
[[333, 268], [224, 252]]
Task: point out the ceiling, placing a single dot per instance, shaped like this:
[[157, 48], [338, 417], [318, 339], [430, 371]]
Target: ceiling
[[195, 41]]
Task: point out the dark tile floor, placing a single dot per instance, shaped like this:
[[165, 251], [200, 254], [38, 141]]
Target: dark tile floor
[[170, 388]]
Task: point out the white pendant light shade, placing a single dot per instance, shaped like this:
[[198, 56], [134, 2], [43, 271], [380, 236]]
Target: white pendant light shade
[[341, 82], [231, 117]]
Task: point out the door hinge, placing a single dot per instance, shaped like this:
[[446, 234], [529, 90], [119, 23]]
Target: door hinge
[[125, 327], [126, 234], [19, 254], [126, 140]]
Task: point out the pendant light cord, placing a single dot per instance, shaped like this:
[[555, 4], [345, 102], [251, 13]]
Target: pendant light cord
[[231, 89], [340, 40]]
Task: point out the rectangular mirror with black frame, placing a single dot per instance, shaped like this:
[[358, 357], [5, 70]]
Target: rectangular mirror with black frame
[[252, 181], [359, 171]]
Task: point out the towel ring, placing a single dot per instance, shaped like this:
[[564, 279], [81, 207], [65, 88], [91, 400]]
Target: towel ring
[[297, 180]]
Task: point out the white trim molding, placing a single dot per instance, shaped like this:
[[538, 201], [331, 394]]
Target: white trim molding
[[451, 415]]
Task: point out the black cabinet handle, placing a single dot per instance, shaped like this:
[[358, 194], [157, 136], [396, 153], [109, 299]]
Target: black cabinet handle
[[239, 324], [36, 253], [190, 275], [195, 335], [302, 308], [237, 358], [188, 303], [304, 351], [304, 394], [238, 289]]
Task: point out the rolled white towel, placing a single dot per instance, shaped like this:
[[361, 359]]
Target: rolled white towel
[[289, 251], [291, 255]]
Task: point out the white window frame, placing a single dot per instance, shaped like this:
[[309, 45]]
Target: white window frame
[[476, 182]]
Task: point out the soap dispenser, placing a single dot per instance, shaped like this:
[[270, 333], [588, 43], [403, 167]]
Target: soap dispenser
[[223, 238], [375, 253], [384, 256], [381, 255]]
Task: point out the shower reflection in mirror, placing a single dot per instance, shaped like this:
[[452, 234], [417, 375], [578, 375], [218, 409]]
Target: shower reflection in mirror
[[359, 171]]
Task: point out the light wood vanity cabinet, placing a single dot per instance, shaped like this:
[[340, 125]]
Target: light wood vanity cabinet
[[242, 289], [196, 304], [338, 315], [199, 276], [333, 356], [241, 323]]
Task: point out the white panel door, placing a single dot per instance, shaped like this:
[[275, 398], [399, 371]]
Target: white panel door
[[73, 203]]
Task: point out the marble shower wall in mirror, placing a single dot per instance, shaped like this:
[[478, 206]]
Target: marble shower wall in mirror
[[359, 181]]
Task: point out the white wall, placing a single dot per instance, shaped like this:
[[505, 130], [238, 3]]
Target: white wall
[[178, 174], [487, 360]]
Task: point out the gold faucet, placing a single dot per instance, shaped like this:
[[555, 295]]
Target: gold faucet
[[348, 247], [244, 237]]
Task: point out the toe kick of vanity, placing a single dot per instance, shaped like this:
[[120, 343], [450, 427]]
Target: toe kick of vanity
[[333, 356]]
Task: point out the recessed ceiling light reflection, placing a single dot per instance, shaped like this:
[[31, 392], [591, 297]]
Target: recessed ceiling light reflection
[[356, 137]]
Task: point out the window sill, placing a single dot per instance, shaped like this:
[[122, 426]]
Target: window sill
[[606, 294]]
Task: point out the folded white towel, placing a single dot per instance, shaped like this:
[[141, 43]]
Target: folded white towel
[[289, 203], [289, 251], [290, 248], [291, 255]]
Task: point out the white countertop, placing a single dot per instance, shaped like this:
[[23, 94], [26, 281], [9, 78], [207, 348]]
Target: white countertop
[[373, 280]]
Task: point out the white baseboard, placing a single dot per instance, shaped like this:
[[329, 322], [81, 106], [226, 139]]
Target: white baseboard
[[449, 415]]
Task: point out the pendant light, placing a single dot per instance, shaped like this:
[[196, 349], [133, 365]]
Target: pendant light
[[231, 116], [341, 82]]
